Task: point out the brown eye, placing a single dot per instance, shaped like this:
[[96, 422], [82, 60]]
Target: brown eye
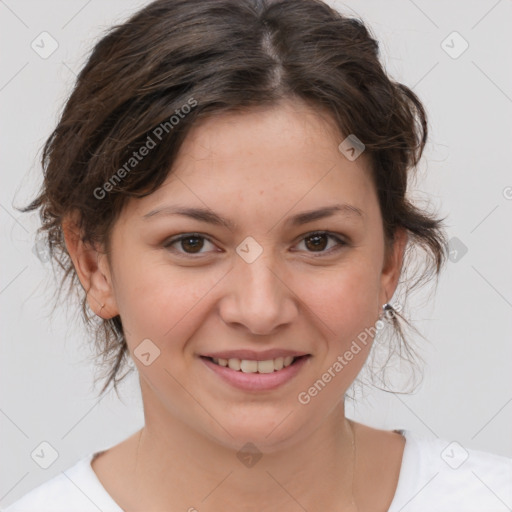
[[319, 242], [190, 243]]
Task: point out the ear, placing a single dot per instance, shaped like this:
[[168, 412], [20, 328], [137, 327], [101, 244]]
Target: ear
[[92, 268], [392, 265]]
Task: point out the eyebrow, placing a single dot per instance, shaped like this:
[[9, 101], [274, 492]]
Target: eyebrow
[[205, 215]]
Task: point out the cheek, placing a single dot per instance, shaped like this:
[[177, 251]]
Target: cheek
[[344, 304], [159, 301], [345, 299]]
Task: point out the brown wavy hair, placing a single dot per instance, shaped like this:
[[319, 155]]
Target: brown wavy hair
[[225, 55]]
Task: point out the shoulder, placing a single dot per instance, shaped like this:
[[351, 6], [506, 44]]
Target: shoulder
[[437, 474], [76, 489]]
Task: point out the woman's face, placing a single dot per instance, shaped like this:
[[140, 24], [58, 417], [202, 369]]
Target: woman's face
[[252, 275]]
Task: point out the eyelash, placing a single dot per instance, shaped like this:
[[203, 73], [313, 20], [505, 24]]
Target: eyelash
[[340, 243]]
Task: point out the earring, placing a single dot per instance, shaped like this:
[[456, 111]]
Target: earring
[[388, 311]]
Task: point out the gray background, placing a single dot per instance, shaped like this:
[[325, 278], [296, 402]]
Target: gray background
[[46, 367]]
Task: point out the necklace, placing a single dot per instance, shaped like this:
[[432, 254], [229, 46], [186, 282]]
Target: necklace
[[354, 456]]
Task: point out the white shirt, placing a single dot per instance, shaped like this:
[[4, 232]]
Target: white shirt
[[435, 475]]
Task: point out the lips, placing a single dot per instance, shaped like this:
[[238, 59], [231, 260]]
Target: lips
[[253, 355], [244, 377]]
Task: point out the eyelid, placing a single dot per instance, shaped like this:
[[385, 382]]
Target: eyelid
[[340, 242], [337, 237], [168, 243]]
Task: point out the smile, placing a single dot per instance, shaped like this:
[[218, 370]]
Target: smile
[[252, 375], [252, 366]]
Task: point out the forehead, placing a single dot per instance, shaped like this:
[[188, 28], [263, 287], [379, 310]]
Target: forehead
[[278, 156], [289, 131]]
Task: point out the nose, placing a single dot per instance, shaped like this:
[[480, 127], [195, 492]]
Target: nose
[[258, 298]]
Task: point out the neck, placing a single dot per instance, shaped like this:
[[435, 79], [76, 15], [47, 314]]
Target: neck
[[182, 466]]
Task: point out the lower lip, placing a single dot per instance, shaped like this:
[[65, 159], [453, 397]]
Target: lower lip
[[256, 381]]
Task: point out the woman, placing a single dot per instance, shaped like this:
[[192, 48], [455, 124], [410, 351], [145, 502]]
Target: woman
[[227, 184]]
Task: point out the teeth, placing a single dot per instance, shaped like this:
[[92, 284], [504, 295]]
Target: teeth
[[251, 366], [266, 366], [234, 364], [248, 366]]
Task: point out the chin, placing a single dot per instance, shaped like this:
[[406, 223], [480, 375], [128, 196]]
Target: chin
[[263, 436]]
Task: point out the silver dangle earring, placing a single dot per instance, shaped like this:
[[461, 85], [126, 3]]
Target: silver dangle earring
[[388, 311]]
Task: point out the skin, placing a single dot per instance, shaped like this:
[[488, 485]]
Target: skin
[[256, 169]]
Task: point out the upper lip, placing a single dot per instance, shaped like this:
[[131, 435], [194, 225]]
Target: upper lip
[[264, 355]]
